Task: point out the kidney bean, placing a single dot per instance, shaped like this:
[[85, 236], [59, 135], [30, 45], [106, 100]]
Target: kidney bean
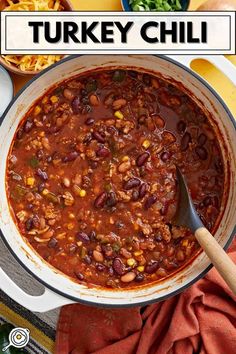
[[28, 126], [185, 141], [111, 199], [201, 140], [143, 190], [52, 243], [98, 137], [78, 274], [128, 277], [165, 156], [118, 266], [152, 267], [72, 156], [150, 201], [42, 174], [76, 105], [181, 127], [89, 121], [142, 159], [201, 152], [131, 183], [100, 200], [103, 152], [139, 277], [82, 236]]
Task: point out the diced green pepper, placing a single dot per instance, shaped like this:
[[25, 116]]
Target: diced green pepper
[[34, 162]]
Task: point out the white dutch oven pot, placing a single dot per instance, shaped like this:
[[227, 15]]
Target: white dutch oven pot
[[61, 290]]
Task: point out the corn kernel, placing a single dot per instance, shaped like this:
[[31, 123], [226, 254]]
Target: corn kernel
[[82, 193], [71, 216], [45, 191], [42, 134], [54, 99], [70, 226], [30, 181], [138, 253], [45, 100], [37, 110], [125, 158], [185, 243], [140, 268], [131, 262], [119, 115], [146, 144]]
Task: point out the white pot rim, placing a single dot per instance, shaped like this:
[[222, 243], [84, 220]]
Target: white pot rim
[[141, 301]]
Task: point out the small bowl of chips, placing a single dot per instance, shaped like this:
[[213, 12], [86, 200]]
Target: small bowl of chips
[[31, 64]]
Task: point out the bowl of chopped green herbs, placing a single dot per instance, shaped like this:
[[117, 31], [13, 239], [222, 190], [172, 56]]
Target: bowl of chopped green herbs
[[155, 5]]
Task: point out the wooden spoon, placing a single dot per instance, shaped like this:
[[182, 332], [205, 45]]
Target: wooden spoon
[[186, 215]]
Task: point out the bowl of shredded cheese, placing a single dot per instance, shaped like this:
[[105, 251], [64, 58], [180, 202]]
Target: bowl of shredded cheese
[[31, 64]]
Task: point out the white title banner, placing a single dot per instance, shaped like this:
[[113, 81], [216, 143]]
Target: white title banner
[[98, 32]]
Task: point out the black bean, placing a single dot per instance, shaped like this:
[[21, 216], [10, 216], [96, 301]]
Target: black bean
[[41, 187], [78, 274], [132, 183], [93, 164], [82, 236], [103, 152], [73, 248], [92, 235], [76, 105], [139, 277], [201, 140], [89, 121], [100, 200], [52, 243], [158, 237], [72, 156], [132, 73], [42, 174], [118, 266], [142, 159], [100, 267], [201, 152], [111, 199], [150, 201], [165, 156], [36, 221], [181, 126], [185, 141], [40, 154], [83, 92], [146, 79], [87, 260], [98, 136], [28, 126], [119, 224], [29, 224], [152, 267], [143, 190], [87, 139]]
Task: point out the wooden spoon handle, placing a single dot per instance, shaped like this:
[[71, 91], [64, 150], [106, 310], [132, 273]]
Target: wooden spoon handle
[[218, 257]]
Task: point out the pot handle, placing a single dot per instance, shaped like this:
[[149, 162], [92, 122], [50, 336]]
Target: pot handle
[[218, 61], [42, 303]]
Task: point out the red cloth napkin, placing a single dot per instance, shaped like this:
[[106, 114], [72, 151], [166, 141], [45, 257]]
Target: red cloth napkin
[[200, 320]]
